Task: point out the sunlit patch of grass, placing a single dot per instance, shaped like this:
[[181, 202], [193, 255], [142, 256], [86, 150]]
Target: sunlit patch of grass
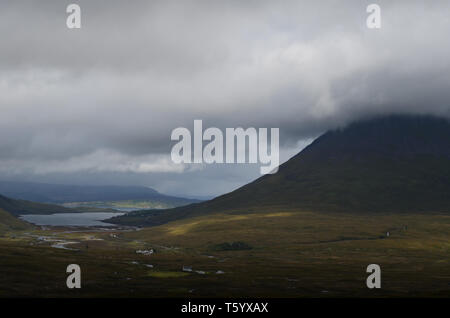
[[187, 226]]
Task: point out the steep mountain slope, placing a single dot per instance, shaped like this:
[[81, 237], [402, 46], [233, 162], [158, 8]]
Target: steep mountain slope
[[18, 207], [395, 164], [56, 193]]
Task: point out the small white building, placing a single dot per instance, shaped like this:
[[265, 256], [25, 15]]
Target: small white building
[[187, 268], [145, 252]]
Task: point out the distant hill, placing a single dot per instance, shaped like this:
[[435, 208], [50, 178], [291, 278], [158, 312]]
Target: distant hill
[[58, 194], [394, 164], [19, 207]]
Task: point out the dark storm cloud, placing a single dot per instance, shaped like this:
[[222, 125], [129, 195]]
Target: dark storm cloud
[[98, 104]]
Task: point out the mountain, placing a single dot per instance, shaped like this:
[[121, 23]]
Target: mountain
[[58, 194], [19, 207], [390, 164]]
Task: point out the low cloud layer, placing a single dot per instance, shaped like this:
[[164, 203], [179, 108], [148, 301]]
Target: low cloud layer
[[97, 105]]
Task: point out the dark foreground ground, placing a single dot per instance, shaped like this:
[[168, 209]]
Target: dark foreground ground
[[273, 254]]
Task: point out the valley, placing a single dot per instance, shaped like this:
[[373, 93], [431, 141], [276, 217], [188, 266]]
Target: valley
[[270, 254]]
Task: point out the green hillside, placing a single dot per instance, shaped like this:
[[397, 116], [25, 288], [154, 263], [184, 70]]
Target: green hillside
[[390, 164], [10, 223], [19, 207]]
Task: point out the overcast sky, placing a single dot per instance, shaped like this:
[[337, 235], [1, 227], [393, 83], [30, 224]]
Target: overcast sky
[[97, 105]]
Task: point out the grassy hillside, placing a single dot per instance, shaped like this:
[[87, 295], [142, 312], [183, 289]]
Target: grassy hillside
[[10, 223], [18, 207], [395, 164]]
